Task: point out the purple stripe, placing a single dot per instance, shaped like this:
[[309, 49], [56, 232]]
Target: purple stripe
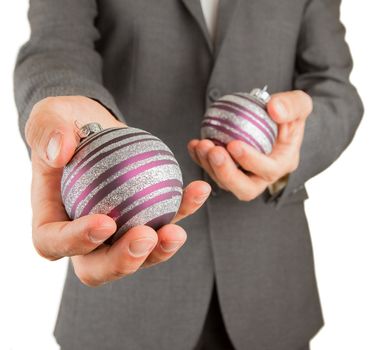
[[234, 126], [252, 117], [87, 141], [116, 182], [254, 114], [136, 210], [226, 106], [161, 220], [216, 141], [234, 135], [155, 223], [95, 160], [105, 144], [116, 212]]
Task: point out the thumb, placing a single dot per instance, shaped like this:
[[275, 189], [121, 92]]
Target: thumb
[[285, 107], [52, 138]]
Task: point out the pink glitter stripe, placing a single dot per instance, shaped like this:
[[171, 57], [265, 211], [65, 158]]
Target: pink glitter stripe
[[155, 223], [103, 192], [116, 212], [235, 135], [111, 171], [248, 115], [96, 150], [136, 210], [255, 115], [234, 126], [95, 160], [161, 220]]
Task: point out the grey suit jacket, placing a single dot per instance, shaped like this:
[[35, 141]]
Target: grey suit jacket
[[152, 64]]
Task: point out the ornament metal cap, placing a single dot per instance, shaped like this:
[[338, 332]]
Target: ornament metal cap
[[261, 95], [87, 129]]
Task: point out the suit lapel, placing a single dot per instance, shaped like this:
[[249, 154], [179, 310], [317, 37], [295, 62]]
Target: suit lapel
[[225, 12], [194, 7]]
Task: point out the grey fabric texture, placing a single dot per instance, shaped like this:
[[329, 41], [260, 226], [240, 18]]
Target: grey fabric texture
[[152, 64]]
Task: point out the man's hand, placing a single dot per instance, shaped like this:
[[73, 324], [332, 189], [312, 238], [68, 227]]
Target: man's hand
[[50, 132], [290, 111]]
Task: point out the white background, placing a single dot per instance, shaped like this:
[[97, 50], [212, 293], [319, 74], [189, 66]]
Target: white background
[[340, 213]]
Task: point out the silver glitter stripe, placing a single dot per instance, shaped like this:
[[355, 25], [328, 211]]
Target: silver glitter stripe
[[94, 172], [208, 132], [241, 123], [252, 106], [121, 155], [152, 212], [117, 196], [150, 177], [154, 143]]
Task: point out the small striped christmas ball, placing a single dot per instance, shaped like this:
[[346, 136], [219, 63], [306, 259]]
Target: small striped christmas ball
[[241, 116], [126, 173]]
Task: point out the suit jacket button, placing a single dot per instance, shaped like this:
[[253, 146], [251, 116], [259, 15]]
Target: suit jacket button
[[214, 94], [297, 189]]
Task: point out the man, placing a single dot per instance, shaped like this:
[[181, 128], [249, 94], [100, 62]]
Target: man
[[155, 66]]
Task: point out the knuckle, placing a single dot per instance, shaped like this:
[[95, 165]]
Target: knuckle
[[84, 276], [306, 98], [271, 176], [48, 103], [88, 280], [44, 254], [41, 114], [30, 128], [245, 197], [221, 186], [66, 249], [119, 271], [294, 164]]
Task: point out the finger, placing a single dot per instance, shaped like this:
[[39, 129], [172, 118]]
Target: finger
[[287, 106], [201, 150], [170, 240], [244, 187], [53, 235], [52, 138], [268, 168], [191, 150], [283, 159], [124, 257], [194, 196], [68, 238]]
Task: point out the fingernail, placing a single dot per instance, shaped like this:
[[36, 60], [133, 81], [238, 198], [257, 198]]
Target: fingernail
[[200, 199], [141, 247], [170, 246], [100, 235], [237, 151], [54, 145], [217, 158], [280, 108]]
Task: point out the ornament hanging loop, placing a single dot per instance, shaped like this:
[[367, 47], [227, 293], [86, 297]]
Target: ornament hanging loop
[[262, 96], [86, 130]]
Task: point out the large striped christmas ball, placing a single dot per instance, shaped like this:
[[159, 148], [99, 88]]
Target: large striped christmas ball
[[126, 173], [241, 116]]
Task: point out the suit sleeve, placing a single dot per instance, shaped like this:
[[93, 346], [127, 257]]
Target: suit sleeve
[[323, 67], [60, 57]]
